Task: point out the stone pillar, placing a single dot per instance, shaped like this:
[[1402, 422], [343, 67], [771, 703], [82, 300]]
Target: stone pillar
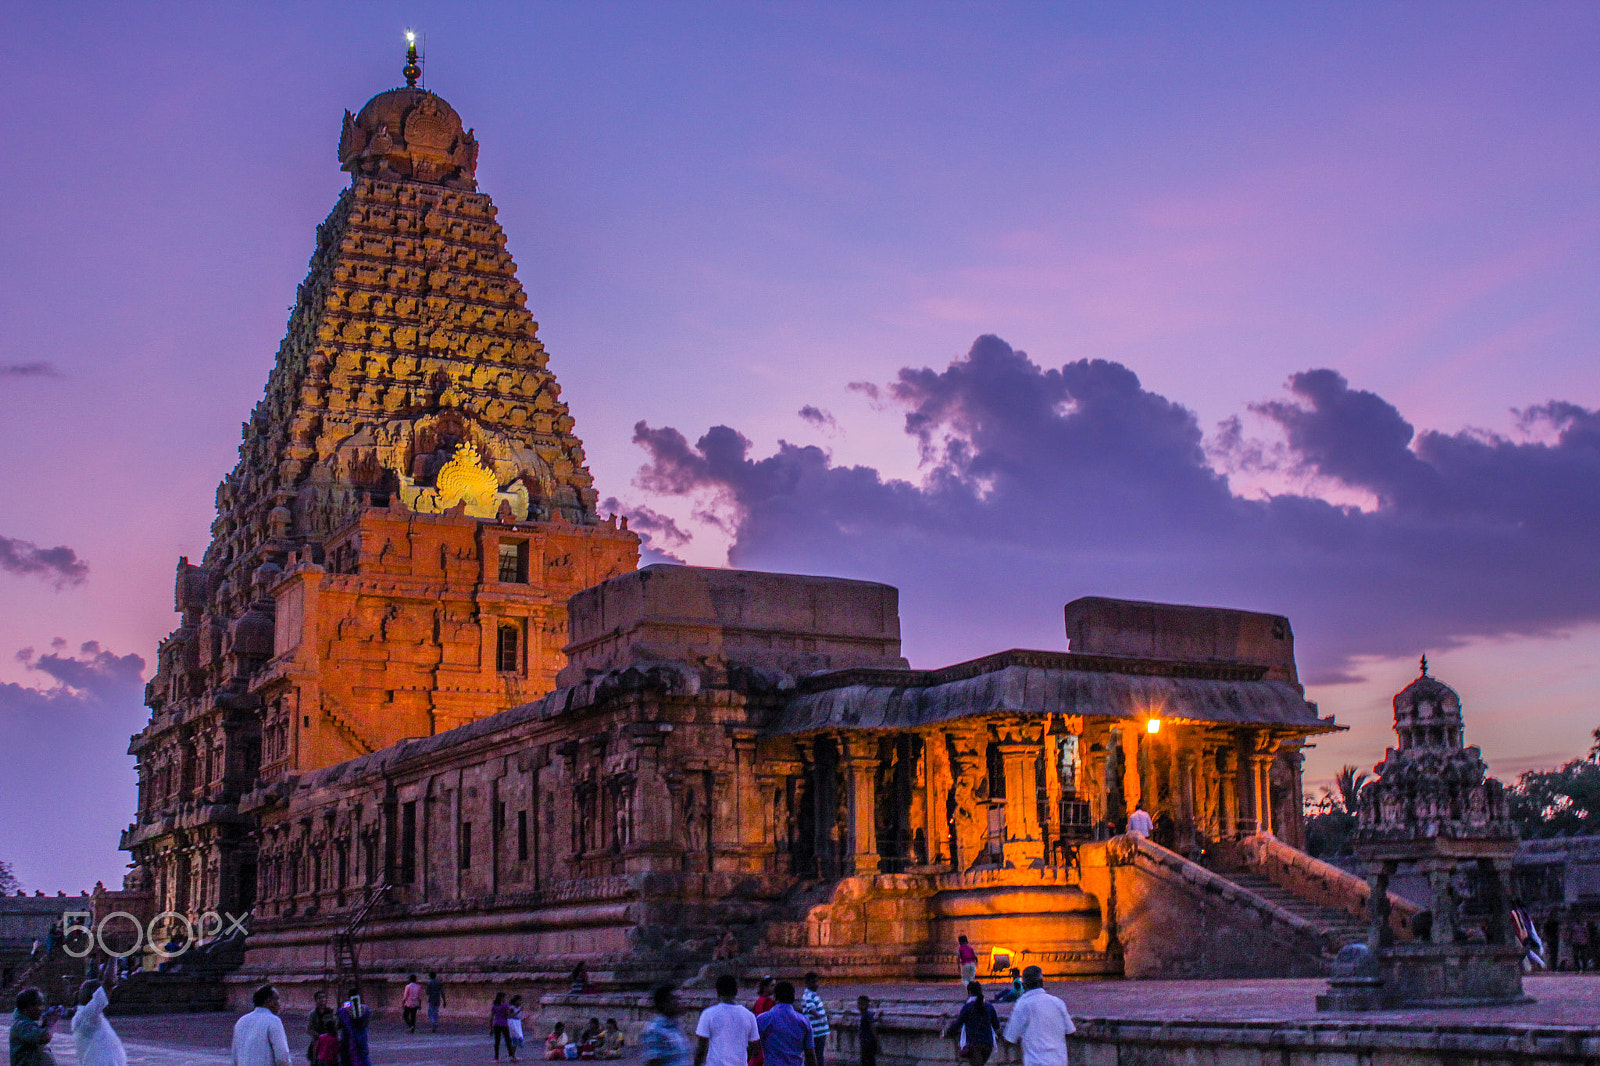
[[654, 846], [1023, 843], [1186, 799], [1439, 873], [1379, 935], [1260, 784], [745, 847], [1132, 772], [937, 783], [1052, 803], [1229, 808], [861, 771]]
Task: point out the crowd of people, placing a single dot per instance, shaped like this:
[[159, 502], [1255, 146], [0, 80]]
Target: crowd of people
[[783, 1026]]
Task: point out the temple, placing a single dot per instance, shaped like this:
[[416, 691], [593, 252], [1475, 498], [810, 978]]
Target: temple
[[422, 710]]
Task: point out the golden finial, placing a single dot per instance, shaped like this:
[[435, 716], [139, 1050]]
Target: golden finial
[[413, 70]]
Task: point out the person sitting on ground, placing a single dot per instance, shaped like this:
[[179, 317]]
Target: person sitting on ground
[[727, 1033], [611, 1041], [555, 1045], [1014, 993], [975, 1028], [589, 1041], [580, 978]]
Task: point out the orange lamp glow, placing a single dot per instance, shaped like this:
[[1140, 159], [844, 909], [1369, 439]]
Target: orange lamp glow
[[1153, 725]]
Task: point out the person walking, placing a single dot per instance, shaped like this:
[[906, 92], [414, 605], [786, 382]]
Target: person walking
[[726, 1033], [786, 1038], [354, 1018], [320, 1022], [93, 1038], [1140, 824], [662, 1042], [816, 1013], [30, 1030], [975, 1028], [764, 1002], [436, 999], [1040, 1023], [411, 1002], [866, 1031], [498, 1030], [966, 960], [258, 1037], [514, 1026]]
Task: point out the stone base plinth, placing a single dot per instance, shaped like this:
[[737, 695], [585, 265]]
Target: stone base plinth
[[1432, 975]]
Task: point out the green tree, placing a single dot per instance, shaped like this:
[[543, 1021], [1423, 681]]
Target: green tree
[[1560, 802]]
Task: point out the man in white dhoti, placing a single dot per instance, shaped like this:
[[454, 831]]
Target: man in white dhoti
[[258, 1037], [96, 1042]]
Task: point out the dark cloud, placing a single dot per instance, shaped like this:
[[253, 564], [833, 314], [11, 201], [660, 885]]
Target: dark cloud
[[63, 756], [657, 532], [1041, 485], [59, 565], [818, 417], [29, 370]]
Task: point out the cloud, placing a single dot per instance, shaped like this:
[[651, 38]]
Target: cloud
[[63, 755], [656, 531], [1043, 484], [818, 417], [59, 565], [30, 370]]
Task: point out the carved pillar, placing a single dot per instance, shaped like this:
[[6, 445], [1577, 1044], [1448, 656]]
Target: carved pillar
[[1128, 761], [1052, 802], [744, 848], [1440, 873], [1229, 780], [937, 783], [1266, 747], [1379, 935], [1022, 845], [861, 771], [1186, 799], [654, 845]]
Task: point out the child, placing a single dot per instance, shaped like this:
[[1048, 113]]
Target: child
[[867, 1039], [514, 1039], [325, 1050], [1014, 993]]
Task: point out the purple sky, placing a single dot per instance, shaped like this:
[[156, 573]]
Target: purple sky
[[1368, 232]]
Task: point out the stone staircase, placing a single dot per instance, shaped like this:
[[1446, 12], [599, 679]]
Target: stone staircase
[[1338, 926]]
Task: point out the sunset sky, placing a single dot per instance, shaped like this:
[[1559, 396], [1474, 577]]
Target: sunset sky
[[1276, 306]]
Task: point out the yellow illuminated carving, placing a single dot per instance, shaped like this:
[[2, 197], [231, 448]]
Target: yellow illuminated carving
[[465, 477]]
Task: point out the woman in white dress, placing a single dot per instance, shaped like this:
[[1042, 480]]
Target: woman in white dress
[[96, 1042]]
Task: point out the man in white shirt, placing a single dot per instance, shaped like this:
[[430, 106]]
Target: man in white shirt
[[258, 1037], [1139, 822], [727, 1030], [1040, 1023]]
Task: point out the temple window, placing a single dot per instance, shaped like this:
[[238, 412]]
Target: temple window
[[522, 836], [514, 561], [464, 856], [508, 648]]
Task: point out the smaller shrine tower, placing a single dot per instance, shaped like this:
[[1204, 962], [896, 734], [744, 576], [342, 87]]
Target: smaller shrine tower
[[1434, 810]]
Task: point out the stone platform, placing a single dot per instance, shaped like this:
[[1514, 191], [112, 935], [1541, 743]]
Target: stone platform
[[1218, 1022]]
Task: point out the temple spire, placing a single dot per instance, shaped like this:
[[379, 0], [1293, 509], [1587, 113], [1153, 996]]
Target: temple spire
[[1424, 665], [412, 69]]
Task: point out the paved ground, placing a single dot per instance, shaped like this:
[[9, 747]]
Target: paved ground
[[1561, 999]]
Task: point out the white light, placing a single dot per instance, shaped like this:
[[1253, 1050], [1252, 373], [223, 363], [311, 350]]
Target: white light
[[1153, 725], [411, 37]]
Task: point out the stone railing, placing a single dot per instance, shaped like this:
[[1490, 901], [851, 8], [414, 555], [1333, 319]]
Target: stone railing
[[1319, 882], [1174, 918]]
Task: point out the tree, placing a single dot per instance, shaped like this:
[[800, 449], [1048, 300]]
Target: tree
[[8, 879], [1349, 781], [1331, 819], [1560, 802]]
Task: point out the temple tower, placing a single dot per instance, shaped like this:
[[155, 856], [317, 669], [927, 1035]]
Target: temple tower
[[392, 555]]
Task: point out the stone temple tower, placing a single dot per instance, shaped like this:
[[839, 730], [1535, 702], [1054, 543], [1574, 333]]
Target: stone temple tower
[[392, 555]]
